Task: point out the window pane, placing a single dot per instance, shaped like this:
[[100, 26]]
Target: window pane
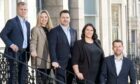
[[90, 19], [115, 33], [115, 21], [133, 41], [90, 6], [40, 5], [133, 36]]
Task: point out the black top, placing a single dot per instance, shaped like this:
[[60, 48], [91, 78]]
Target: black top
[[95, 56], [46, 31], [89, 58]]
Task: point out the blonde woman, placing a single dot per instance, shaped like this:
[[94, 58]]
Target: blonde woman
[[39, 45]]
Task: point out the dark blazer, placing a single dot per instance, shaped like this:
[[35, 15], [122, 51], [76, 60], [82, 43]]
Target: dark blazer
[[82, 58], [60, 50], [12, 34], [109, 75]]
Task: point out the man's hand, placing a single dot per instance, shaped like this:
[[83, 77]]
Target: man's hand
[[55, 65], [14, 47]]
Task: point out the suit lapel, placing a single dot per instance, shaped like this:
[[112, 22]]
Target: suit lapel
[[64, 37], [72, 36], [42, 32], [43, 35], [97, 43], [113, 66], [28, 29], [19, 24], [124, 64]]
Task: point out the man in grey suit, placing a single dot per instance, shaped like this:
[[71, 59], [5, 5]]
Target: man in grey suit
[[116, 68], [61, 41]]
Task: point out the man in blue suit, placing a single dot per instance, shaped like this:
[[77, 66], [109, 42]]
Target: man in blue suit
[[61, 41], [16, 35], [116, 68]]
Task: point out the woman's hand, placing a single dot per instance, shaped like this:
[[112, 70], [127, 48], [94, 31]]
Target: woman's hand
[[33, 54], [80, 76]]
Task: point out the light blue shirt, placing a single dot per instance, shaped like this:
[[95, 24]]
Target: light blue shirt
[[24, 30], [67, 32]]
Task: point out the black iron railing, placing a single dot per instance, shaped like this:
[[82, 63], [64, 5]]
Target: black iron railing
[[136, 61], [31, 72], [4, 71], [67, 71], [31, 75]]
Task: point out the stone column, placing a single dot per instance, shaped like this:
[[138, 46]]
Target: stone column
[[31, 16], [105, 31], [76, 8], [54, 7]]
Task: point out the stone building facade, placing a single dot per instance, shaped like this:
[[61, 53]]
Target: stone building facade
[[113, 19]]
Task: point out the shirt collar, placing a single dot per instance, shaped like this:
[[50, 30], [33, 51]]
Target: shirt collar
[[119, 58], [21, 19], [65, 28]]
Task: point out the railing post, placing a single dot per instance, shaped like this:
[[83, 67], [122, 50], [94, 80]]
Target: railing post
[[3, 69], [16, 69], [15, 61], [27, 70]]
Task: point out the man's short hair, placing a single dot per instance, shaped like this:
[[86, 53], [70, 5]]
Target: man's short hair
[[118, 41], [21, 3], [64, 11]]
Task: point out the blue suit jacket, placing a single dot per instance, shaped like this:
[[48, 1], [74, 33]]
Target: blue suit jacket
[[12, 34], [60, 50], [109, 75]]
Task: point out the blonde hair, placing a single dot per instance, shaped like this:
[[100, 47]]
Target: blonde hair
[[49, 24]]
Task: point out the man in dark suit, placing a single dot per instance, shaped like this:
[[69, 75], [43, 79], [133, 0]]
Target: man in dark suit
[[116, 68], [61, 41], [16, 35]]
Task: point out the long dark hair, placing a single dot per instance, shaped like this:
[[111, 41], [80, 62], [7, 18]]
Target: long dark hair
[[94, 37]]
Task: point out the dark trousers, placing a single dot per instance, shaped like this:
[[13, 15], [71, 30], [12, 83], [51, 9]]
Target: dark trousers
[[81, 81], [60, 75], [86, 81], [41, 78], [65, 75], [18, 72], [69, 73]]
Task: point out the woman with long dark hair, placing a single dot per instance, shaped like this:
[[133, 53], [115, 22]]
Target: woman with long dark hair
[[87, 56]]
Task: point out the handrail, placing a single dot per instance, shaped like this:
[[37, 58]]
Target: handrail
[[32, 68], [60, 67], [41, 71], [88, 81]]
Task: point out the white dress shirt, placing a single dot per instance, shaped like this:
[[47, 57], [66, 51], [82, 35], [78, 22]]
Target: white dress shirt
[[67, 32], [24, 30], [118, 64]]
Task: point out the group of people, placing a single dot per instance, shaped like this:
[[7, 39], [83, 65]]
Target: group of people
[[62, 51]]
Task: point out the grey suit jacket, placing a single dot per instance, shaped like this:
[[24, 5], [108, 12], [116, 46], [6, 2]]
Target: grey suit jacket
[[39, 44]]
